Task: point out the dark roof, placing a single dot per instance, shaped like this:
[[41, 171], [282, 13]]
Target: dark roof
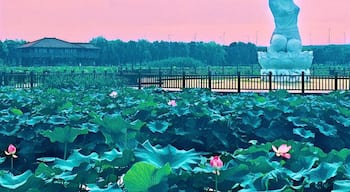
[[57, 43], [86, 45]]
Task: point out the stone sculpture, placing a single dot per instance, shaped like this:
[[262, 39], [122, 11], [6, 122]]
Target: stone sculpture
[[284, 56]]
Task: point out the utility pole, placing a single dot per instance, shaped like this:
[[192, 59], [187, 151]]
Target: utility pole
[[329, 35], [310, 39], [223, 38]]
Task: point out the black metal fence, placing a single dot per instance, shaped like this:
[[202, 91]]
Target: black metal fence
[[221, 83]]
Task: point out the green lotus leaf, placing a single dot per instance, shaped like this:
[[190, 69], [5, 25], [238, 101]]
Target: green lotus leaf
[[325, 128], [2, 159], [300, 166], [323, 172], [344, 111], [143, 177], [10, 130], [158, 126], [180, 111], [63, 135], [252, 118], [57, 120], [234, 173], [295, 101], [303, 133], [74, 160], [260, 99], [271, 112], [109, 188], [118, 131], [341, 185], [111, 155], [298, 121], [274, 131], [16, 111], [35, 120], [75, 117], [345, 121], [118, 159], [47, 159], [10, 181], [65, 176], [252, 152], [275, 180], [46, 173], [338, 156], [160, 156], [6, 117], [66, 107], [93, 128], [261, 182]]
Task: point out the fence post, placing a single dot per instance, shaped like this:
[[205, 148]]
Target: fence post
[[105, 72], [5, 78], [2, 74], [209, 80], [302, 82], [160, 78], [270, 81], [239, 82], [349, 81], [139, 79], [336, 81], [31, 79], [183, 80], [43, 79]]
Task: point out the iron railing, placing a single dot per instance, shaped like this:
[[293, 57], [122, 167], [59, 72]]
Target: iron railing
[[224, 83]]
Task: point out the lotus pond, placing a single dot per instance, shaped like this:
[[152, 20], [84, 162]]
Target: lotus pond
[[151, 140]]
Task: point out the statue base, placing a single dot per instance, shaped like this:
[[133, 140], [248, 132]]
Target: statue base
[[285, 66]]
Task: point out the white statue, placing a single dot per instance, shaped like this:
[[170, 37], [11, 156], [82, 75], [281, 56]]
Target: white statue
[[284, 56], [286, 35]]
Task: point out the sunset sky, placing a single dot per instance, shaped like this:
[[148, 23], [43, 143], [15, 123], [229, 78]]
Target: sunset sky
[[222, 21]]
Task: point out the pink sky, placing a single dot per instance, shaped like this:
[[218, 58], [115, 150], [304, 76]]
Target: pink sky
[[222, 21]]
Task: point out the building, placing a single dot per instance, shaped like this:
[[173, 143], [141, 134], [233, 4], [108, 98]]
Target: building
[[52, 51]]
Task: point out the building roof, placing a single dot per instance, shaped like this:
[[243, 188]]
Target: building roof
[[86, 45], [57, 43]]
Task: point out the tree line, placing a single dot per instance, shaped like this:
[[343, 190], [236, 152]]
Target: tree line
[[143, 52]]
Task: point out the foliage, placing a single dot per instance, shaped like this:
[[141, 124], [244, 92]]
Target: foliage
[[176, 62], [146, 177], [138, 133]]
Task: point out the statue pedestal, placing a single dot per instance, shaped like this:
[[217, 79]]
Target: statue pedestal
[[285, 66]]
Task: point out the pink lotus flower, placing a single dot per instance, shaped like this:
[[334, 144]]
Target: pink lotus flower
[[216, 162], [113, 94], [282, 151], [11, 151], [172, 103]]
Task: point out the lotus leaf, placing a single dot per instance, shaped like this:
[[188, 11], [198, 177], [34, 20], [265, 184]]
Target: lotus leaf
[[10, 181], [118, 131], [160, 156], [16, 111], [110, 188], [323, 172], [158, 126], [143, 177], [74, 160], [57, 120], [341, 185], [304, 133], [64, 135]]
